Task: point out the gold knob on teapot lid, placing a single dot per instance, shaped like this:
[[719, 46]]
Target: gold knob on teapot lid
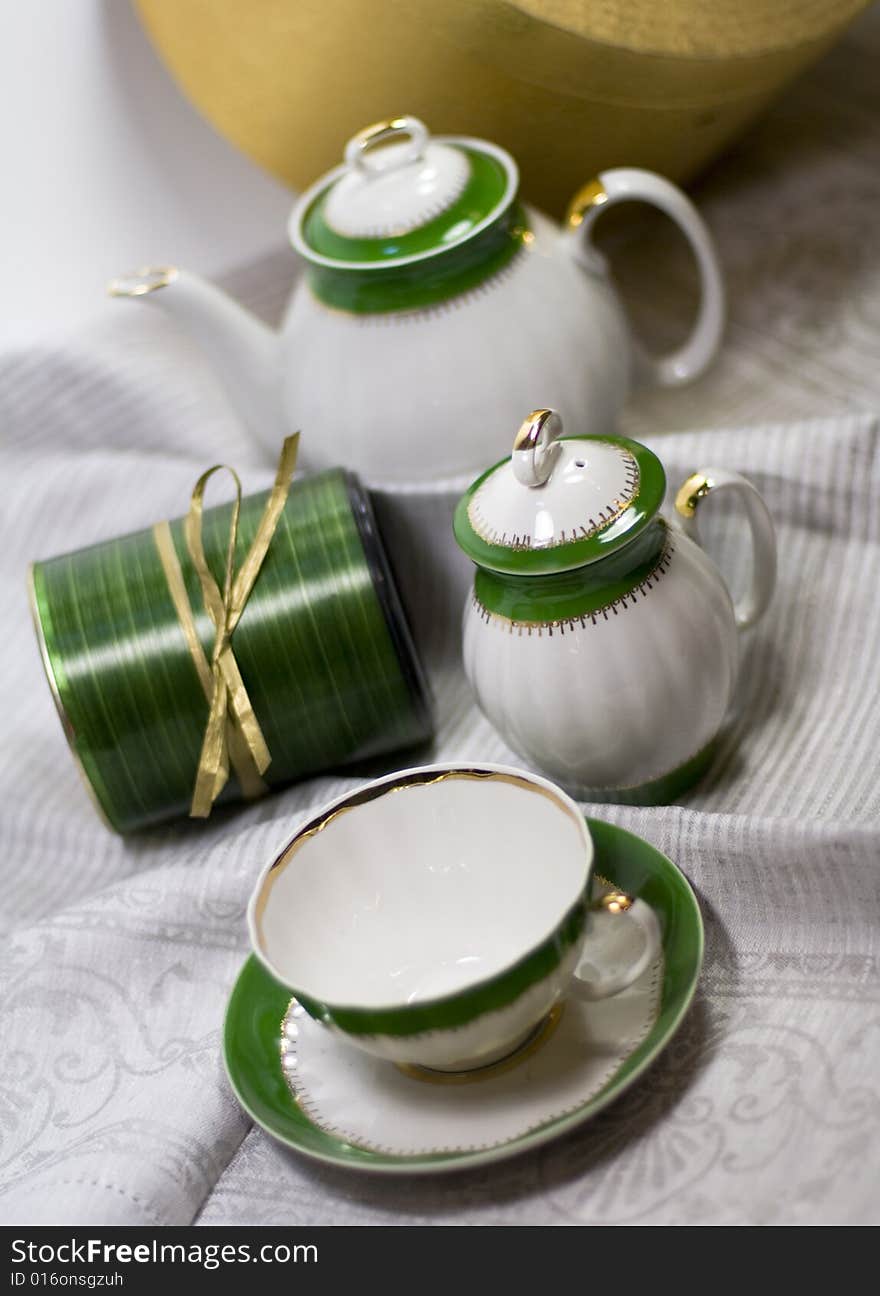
[[397, 130]]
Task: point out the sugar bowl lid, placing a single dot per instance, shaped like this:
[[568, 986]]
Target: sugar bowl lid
[[557, 504], [401, 196]]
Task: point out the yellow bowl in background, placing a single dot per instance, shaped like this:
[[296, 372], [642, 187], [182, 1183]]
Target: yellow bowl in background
[[568, 86]]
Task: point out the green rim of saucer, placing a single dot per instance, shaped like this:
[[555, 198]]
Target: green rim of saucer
[[252, 1029]]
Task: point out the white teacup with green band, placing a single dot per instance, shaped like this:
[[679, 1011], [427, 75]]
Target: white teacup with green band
[[435, 916]]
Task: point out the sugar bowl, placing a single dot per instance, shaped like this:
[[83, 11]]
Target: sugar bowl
[[599, 638]]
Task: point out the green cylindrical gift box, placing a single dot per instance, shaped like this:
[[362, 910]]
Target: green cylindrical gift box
[[322, 646]]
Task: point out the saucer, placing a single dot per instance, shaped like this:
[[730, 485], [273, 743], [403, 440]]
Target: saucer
[[327, 1100]]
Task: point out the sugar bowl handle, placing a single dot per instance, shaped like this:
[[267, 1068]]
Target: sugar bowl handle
[[616, 906], [709, 481], [632, 184]]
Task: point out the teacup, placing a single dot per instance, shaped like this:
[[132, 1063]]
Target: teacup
[[435, 916]]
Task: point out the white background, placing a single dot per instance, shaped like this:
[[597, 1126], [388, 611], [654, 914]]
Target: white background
[[106, 167]]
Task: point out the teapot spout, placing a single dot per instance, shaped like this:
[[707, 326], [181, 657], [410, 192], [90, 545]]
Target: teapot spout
[[243, 351]]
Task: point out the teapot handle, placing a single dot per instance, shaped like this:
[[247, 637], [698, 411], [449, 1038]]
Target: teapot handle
[[753, 604], [631, 184], [398, 128]]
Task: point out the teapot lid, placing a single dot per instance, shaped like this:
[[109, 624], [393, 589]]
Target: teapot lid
[[554, 505], [402, 196]]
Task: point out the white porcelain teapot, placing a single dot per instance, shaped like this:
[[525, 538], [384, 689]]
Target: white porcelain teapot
[[434, 304], [599, 639]]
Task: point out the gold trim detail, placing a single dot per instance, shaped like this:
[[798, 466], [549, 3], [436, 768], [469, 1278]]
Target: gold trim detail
[[590, 195], [144, 280], [246, 771], [233, 733], [536, 447], [424, 314], [365, 795], [690, 493], [535, 1041], [532, 428], [616, 902], [602, 520], [379, 133], [568, 625]]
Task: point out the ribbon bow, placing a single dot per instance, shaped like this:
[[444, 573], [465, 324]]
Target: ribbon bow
[[232, 734]]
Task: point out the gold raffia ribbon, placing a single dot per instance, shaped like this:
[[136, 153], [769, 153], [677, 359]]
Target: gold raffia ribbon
[[233, 734]]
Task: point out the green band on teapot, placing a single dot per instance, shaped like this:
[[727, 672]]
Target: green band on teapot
[[423, 283], [588, 591]]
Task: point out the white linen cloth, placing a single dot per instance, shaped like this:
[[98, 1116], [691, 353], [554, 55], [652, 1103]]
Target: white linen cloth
[[119, 954]]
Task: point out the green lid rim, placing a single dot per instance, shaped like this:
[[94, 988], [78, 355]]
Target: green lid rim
[[571, 554], [419, 286], [321, 187]]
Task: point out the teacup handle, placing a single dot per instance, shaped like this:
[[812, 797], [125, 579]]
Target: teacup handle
[[611, 908], [753, 604], [631, 184]]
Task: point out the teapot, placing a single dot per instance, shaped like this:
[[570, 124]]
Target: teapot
[[599, 638], [433, 303]]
